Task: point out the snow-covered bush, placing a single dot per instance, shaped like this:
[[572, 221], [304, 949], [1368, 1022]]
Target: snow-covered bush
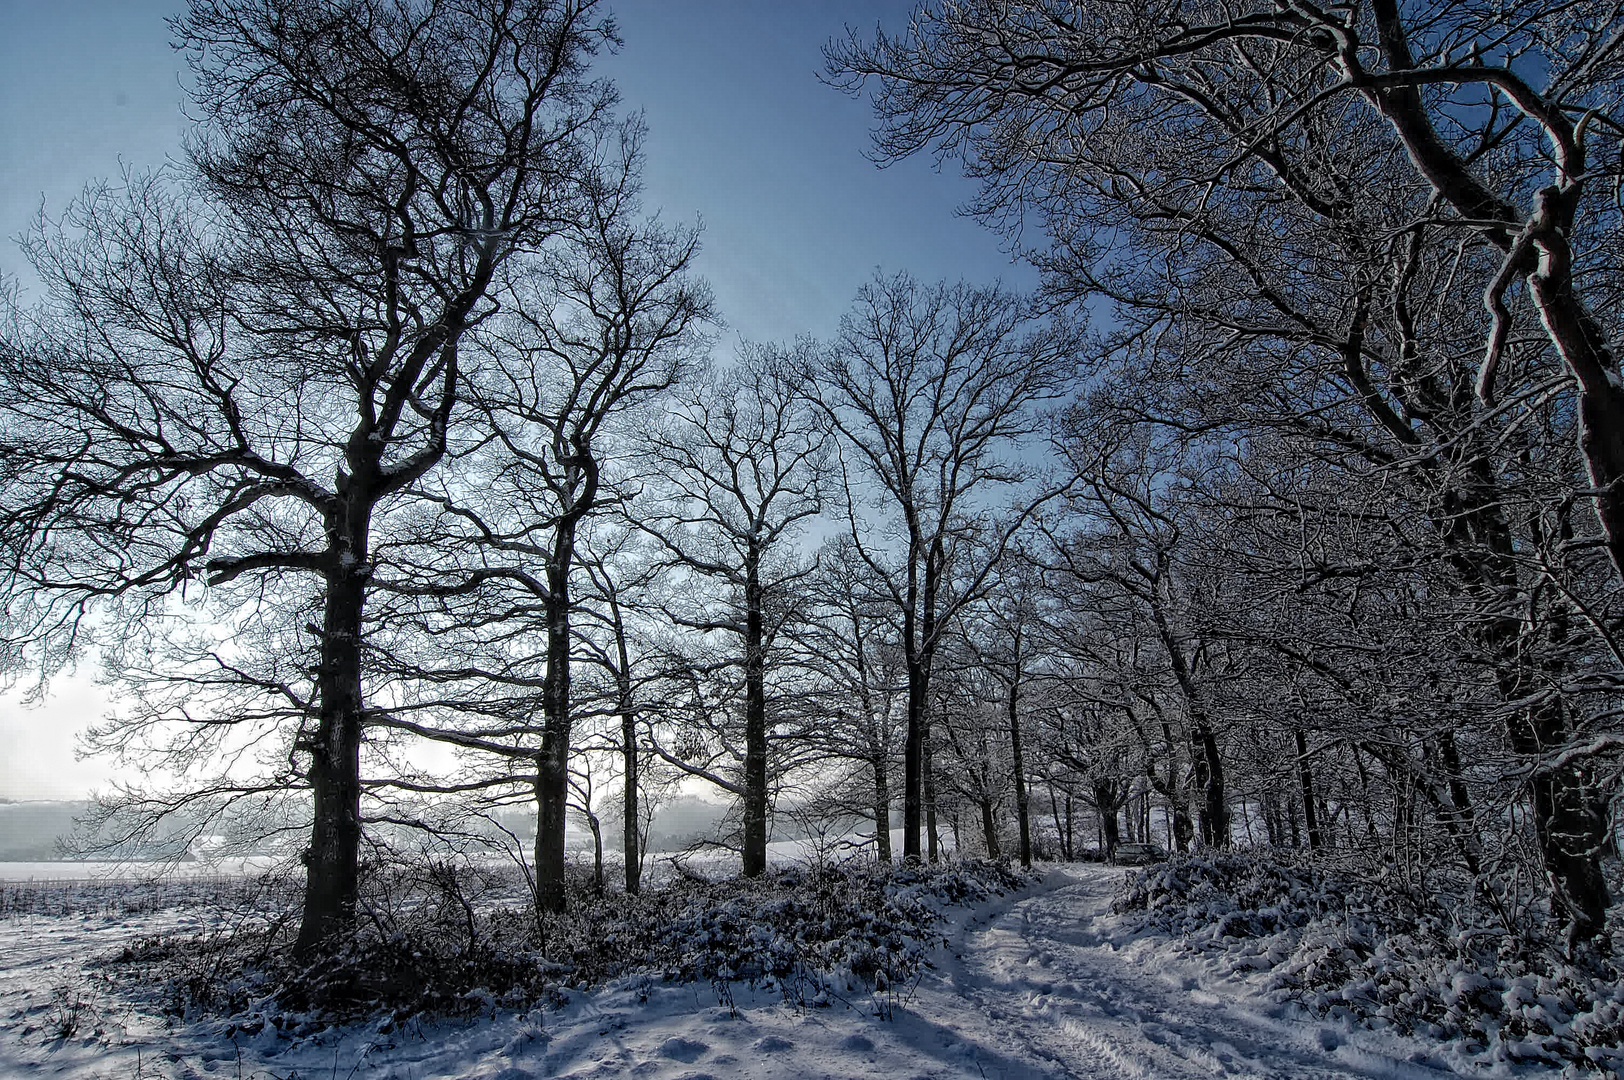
[[1347, 945], [458, 941]]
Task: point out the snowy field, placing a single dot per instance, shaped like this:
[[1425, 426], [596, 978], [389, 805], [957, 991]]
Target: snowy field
[[1042, 983]]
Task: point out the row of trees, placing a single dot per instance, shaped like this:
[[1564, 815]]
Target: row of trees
[[388, 423], [1373, 246]]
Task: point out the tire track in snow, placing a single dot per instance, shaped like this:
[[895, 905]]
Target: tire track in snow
[[1047, 986]]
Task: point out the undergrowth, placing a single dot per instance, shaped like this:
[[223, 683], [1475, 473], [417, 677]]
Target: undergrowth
[[438, 940], [1435, 965]]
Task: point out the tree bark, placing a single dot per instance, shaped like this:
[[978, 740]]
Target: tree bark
[[755, 722], [913, 747], [631, 837], [1104, 800], [333, 859], [1023, 816], [1305, 776], [934, 837], [989, 828], [552, 762], [882, 810]]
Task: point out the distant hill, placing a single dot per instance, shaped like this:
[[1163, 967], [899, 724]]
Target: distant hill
[[30, 831]]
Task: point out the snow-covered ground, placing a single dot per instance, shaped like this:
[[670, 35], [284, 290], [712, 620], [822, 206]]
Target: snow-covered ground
[[1042, 983]]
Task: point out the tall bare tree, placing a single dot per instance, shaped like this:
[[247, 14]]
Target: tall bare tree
[[243, 365], [745, 462], [597, 326], [930, 390]]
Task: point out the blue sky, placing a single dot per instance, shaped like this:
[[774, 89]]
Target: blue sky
[[741, 135]]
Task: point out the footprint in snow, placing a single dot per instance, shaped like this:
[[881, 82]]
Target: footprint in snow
[[860, 1043], [679, 1049], [772, 1044]]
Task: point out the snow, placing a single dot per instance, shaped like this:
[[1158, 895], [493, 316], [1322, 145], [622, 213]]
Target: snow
[[1045, 982]]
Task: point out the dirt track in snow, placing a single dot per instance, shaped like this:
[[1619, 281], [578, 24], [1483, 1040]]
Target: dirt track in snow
[[1048, 990]]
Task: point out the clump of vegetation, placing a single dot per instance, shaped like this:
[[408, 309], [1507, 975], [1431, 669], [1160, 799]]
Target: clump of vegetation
[[442, 939], [1362, 947]]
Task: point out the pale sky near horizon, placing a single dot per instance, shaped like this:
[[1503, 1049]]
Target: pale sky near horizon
[[742, 136]]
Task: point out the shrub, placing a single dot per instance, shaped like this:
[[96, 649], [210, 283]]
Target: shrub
[[1343, 944], [447, 940]]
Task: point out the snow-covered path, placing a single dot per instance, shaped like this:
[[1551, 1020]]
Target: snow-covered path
[[1051, 991]]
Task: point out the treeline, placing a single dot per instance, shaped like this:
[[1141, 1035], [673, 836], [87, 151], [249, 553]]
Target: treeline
[[380, 452]]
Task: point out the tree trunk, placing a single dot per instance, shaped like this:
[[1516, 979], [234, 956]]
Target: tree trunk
[[882, 810], [989, 828], [755, 722], [913, 751], [1207, 766], [930, 801], [1023, 817], [631, 834], [1570, 822], [1305, 775], [1183, 828], [1059, 829], [552, 763], [1209, 778], [333, 860], [1108, 821], [596, 826]]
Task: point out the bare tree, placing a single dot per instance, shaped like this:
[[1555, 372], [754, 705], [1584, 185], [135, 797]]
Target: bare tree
[[1132, 543], [929, 390], [603, 322], [1005, 631], [1040, 100], [745, 464], [1311, 221], [850, 640], [243, 365], [618, 577]]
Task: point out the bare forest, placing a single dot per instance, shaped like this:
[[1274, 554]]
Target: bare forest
[[394, 462]]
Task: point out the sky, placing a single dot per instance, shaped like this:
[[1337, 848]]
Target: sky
[[742, 137]]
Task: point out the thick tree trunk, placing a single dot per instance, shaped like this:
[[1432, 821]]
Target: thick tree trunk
[[1108, 821], [631, 835], [333, 860], [913, 751], [552, 763], [919, 646], [934, 837], [1183, 828], [755, 724], [1570, 822], [1209, 777], [989, 828]]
